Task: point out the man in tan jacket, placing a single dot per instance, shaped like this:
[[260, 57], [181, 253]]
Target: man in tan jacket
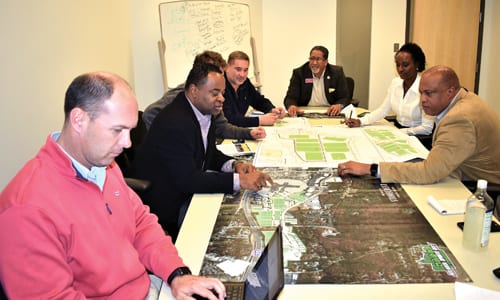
[[466, 140]]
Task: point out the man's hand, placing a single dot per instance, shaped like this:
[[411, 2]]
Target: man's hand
[[243, 168], [255, 181], [280, 111], [294, 111], [183, 287], [258, 133], [355, 168], [334, 110], [268, 119]]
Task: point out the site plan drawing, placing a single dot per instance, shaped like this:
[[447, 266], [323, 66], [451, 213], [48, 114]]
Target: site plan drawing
[[350, 230], [295, 143]]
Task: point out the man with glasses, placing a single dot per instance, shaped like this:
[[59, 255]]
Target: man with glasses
[[317, 83]]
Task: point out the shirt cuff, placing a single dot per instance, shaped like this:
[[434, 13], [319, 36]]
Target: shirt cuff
[[236, 182], [227, 167]]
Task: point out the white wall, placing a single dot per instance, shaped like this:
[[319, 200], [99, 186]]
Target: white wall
[[489, 89], [44, 45], [385, 32], [291, 29]]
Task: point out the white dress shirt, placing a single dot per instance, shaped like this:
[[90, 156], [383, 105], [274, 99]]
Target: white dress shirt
[[408, 110]]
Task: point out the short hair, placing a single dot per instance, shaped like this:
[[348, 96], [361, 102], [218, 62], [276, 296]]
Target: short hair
[[449, 77], [210, 57], [416, 53], [88, 92], [199, 74], [322, 49], [237, 55]]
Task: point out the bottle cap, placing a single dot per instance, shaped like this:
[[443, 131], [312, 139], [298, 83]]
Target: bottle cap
[[482, 184]]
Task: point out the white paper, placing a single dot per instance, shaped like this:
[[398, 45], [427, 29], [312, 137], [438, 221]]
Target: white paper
[[464, 291], [233, 267], [447, 206]]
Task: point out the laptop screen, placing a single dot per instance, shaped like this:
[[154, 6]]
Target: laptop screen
[[267, 277]]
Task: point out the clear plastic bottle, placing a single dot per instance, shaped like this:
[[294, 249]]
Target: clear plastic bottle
[[478, 215]]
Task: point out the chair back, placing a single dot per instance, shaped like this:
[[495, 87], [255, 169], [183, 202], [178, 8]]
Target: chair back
[[125, 159], [350, 88]]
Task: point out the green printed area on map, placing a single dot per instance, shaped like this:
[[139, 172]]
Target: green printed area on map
[[381, 134], [398, 147], [336, 147], [338, 156], [308, 147], [314, 156], [334, 139]]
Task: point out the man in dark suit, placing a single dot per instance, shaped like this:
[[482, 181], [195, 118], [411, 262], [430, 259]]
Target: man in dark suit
[[317, 83], [179, 155]]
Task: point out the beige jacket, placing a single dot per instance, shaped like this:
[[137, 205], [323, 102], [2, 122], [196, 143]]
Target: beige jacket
[[465, 145]]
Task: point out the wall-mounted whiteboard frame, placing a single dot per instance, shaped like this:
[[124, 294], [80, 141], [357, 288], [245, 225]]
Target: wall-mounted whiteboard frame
[[192, 26]]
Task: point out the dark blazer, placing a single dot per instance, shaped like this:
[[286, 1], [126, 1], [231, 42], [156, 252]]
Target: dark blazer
[[301, 86], [173, 158]]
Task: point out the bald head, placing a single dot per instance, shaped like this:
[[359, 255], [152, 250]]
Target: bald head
[[448, 77], [438, 86]]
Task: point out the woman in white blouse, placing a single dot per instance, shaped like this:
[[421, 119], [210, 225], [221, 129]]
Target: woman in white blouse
[[402, 96]]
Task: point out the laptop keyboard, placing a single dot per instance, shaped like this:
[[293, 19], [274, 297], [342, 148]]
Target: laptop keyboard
[[235, 291]]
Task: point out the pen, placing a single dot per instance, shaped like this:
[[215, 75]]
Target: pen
[[350, 115]]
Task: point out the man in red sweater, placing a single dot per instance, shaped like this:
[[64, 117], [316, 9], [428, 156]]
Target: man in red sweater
[[70, 227]]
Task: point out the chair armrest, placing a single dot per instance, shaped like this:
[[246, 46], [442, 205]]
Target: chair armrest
[[138, 185]]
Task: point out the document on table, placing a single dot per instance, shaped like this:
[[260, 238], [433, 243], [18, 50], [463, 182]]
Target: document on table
[[235, 149], [447, 206], [464, 291]]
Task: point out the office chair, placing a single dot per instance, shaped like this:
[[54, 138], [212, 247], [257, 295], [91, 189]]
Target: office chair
[[125, 159], [350, 87]]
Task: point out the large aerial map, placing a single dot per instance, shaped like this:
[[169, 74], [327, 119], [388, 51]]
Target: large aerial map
[[336, 230]]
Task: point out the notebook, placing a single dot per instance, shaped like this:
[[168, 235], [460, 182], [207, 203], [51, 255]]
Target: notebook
[[267, 278]]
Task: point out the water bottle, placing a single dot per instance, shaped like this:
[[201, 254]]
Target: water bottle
[[478, 214]]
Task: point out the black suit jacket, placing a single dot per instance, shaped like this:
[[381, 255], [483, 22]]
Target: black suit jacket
[[300, 87], [173, 158]]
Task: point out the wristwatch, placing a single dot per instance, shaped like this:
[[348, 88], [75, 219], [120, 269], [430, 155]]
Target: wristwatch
[[178, 272], [374, 170]]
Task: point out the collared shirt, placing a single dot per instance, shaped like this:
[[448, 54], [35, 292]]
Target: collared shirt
[[407, 107], [205, 121], [445, 111], [318, 96], [96, 175]]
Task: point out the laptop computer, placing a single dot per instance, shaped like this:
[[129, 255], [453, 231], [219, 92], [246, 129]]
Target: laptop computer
[[267, 278]]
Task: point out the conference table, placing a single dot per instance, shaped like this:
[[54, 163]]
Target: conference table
[[197, 228]]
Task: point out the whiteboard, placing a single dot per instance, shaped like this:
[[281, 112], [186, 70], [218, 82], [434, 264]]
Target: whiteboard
[[191, 27]]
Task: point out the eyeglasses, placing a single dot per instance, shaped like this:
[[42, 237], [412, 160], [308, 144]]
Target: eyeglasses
[[318, 59]]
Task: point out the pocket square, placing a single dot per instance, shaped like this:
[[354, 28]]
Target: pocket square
[[331, 90]]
